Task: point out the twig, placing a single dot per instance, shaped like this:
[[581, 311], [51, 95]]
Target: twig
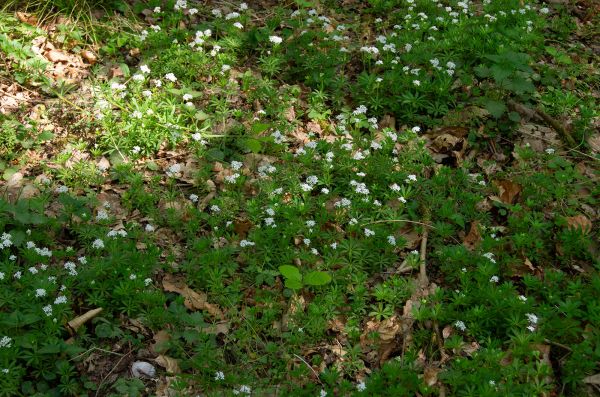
[[558, 344], [540, 114], [111, 371], [95, 348], [422, 267], [309, 366], [399, 220]]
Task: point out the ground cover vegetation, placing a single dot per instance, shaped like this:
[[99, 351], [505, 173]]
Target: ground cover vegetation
[[316, 198]]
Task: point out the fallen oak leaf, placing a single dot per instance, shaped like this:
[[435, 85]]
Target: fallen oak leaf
[[507, 190], [579, 222], [192, 299]]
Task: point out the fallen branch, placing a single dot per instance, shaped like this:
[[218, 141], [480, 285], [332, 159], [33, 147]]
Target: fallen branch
[[541, 115]]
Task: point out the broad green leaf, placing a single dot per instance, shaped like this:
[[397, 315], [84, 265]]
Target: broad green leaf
[[496, 108], [45, 136], [290, 272], [257, 128], [214, 154], [317, 278], [293, 284], [200, 115], [252, 145]]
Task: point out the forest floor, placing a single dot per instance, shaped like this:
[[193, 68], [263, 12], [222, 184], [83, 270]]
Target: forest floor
[[320, 198]]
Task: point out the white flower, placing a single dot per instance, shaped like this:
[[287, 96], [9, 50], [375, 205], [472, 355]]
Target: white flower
[[219, 375], [391, 240], [522, 298], [243, 7], [532, 318], [98, 244], [60, 299], [187, 97], [411, 178], [62, 189], [550, 150], [47, 310], [232, 15], [238, 25], [149, 228], [312, 180], [460, 325], [246, 243], [174, 169], [275, 39], [102, 215], [138, 77], [171, 77], [5, 342], [40, 292], [360, 386], [306, 241], [494, 279], [180, 5], [236, 165], [70, 266], [2, 276], [147, 281], [369, 232], [17, 275], [232, 178], [323, 393], [193, 198], [132, 277]]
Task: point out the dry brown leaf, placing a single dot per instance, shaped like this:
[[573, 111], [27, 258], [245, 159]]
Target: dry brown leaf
[[216, 329], [241, 227], [193, 300], [472, 239], [529, 264], [430, 376], [57, 56], [27, 18], [89, 56], [579, 222], [290, 114], [447, 331], [508, 191], [170, 364], [116, 72]]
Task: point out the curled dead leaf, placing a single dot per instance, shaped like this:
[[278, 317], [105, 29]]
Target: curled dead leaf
[[89, 56], [78, 321], [170, 364]]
